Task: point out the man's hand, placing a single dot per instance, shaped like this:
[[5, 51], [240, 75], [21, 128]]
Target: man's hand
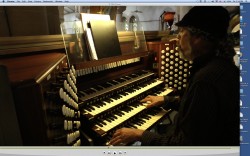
[[153, 101], [124, 136]]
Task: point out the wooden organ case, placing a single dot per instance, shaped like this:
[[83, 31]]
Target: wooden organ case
[[83, 104], [38, 70]]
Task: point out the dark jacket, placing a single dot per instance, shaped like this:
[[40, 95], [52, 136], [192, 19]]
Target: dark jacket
[[209, 109]]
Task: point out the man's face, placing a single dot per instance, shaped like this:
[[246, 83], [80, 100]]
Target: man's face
[[184, 44]]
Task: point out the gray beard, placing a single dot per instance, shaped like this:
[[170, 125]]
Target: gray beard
[[181, 55]]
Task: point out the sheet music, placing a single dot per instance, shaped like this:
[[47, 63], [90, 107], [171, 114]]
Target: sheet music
[[85, 20], [91, 44]]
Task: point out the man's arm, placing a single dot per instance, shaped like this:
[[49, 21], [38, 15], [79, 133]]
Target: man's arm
[[195, 122]]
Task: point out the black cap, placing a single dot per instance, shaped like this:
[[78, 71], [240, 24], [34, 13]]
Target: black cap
[[213, 20]]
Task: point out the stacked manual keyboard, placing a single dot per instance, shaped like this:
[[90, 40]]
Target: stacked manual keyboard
[[108, 106]]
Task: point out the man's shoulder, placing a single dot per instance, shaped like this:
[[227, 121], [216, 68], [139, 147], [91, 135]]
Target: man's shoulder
[[216, 69]]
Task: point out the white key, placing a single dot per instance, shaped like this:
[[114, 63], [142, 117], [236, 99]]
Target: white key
[[123, 99], [121, 119]]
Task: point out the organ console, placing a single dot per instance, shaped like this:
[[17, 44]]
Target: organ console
[[62, 104]]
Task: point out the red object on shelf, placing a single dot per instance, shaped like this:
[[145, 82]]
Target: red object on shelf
[[167, 17]]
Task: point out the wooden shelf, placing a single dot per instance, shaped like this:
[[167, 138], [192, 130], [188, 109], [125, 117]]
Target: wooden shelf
[[31, 66]]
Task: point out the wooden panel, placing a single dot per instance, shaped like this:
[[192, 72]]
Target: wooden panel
[[29, 108], [9, 133], [53, 19], [27, 20], [4, 30]]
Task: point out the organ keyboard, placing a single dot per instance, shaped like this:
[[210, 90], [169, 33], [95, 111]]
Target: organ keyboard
[[108, 106]]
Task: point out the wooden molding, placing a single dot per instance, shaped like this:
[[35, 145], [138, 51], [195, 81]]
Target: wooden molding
[[27, 44]]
